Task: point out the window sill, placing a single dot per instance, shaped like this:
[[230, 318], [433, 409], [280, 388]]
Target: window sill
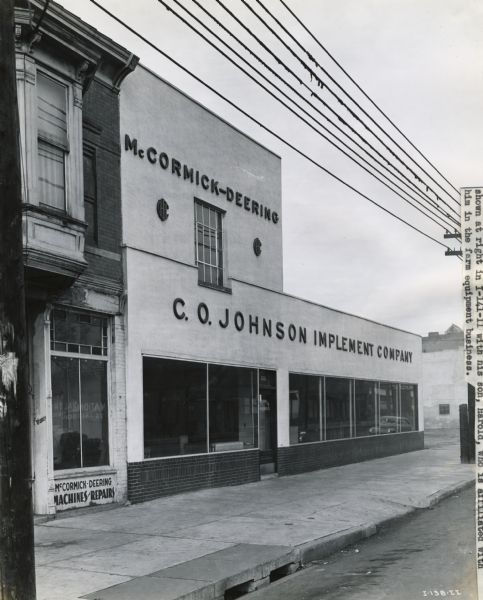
[[212, 286], [49, 211], [84, 472]]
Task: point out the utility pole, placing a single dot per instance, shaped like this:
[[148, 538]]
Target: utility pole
[[17, 568]]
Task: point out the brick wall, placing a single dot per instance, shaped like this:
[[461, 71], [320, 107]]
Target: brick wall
[[100, 132], [321, 455], [154, 478]]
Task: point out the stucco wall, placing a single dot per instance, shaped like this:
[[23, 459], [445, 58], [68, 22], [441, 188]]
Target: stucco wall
[[164, 119], [155, 330], [443, 383]]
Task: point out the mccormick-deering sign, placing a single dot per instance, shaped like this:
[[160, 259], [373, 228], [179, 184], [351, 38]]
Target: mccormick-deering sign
[[195, 177], [271, 328], [84, 491]]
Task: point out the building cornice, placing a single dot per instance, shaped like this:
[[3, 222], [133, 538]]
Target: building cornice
[[64, 34]]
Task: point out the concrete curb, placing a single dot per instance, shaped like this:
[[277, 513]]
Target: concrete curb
[[326, 546], [449, 491]]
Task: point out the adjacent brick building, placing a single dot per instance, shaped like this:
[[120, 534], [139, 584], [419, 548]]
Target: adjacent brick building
[[69, 77]]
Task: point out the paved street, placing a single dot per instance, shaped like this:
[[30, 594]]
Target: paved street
[[426, 553]]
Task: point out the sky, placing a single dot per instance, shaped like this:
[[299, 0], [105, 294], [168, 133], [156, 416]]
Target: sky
[[420, 61]]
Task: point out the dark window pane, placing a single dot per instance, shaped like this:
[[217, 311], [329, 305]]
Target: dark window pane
[[389, 420], [174, 407], [51, 167], [66, 413], [89, 176], [337, 408], [267, 390], [409, 407], [365, 407], [91, 220], [233, 408], [78, 328], [52, 110], [95, 438], [304, 409]]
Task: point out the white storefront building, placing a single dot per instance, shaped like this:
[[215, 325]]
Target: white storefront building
[[227, 377]]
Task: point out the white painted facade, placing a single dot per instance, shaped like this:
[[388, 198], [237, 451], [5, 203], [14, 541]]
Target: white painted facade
[[444, 383], [163, 294]]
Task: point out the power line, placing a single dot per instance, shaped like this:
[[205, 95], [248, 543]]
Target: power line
[[413, 188], [343, 121], [264, 127], [366, 95], [312, 74], [445, 224]]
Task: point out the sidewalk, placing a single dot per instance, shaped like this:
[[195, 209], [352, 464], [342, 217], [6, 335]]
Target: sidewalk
[[198, 545]]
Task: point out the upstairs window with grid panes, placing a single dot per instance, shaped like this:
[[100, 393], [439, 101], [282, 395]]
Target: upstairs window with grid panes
[[209, 244]]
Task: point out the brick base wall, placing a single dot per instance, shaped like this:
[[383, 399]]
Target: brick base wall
[[151, 479], [321, 455]]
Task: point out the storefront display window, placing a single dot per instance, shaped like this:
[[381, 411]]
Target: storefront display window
[[409, 405], [174, 407], [181, 398], [79, 359], [305, 425], [233, 409], [337, 408], [365, 407], [389, 418], [330, 408]]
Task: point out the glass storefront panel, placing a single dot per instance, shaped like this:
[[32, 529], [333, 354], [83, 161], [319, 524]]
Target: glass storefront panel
[[304, 408], [267, 416], [66, 425], [232, 408], [409, 407], [337, 408], [94, 416], [79, 389], [79, 333], [174, 407], [365, 407], [239, 404], [389, 419]]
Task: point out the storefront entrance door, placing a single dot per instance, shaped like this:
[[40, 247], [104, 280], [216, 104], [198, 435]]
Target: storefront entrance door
[[267, 400]]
